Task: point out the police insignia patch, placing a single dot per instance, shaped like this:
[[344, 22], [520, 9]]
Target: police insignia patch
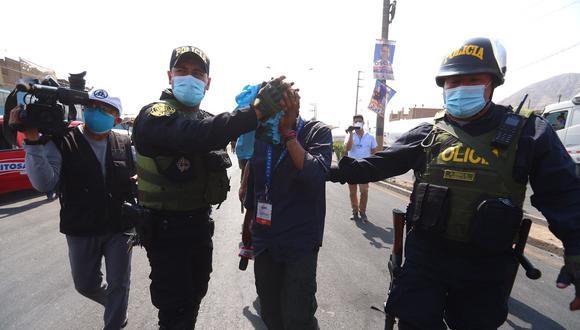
[[160, 110], [183, 164]]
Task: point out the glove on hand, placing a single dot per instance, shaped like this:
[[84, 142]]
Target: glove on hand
[[269, 97], [570, 274]]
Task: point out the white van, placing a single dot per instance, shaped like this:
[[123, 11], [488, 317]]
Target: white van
[[565, 120]]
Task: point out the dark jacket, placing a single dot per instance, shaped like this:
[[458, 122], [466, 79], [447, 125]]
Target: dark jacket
[[91, 204], [541, 158], [298, 197], [177, 133]]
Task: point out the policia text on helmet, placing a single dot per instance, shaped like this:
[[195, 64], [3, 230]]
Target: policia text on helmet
[[469, 75]]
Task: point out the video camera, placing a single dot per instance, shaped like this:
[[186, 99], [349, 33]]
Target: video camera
[[45, 104]]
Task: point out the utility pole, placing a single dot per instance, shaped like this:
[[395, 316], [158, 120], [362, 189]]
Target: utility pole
[[314, 110], [357, 87], [388, 15]]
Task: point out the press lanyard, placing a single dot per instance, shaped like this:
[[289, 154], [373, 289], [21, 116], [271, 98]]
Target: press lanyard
[[283, 154]]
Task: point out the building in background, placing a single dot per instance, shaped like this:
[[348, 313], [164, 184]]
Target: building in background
[[12, 70], [413, 113]]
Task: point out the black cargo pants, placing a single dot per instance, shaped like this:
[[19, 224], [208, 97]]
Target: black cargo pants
[[466, 288], [180, 256]]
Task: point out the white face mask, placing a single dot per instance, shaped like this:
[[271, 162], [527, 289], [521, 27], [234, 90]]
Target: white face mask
[[358, 124]]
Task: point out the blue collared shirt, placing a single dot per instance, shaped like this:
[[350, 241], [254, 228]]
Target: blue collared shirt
[[298, 197]]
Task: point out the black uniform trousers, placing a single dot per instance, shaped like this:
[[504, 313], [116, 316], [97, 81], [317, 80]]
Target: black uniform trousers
[[287, 291], [180, 256], [464, 286]]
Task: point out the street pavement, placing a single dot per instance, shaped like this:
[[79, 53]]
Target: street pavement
[[36, 289]]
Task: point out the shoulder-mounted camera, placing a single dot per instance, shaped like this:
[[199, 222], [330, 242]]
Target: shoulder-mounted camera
[[44, 105]]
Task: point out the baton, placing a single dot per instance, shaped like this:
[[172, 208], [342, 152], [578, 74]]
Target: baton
[[532, 272]]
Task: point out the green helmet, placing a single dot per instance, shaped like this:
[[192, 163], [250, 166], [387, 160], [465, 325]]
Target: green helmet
[[474, 56]]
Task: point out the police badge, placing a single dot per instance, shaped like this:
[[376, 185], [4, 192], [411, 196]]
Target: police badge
[[183, 164]]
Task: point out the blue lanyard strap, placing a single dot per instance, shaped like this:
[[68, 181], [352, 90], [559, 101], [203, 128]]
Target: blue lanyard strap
[[283, 154]]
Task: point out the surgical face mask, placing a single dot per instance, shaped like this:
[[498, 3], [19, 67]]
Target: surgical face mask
[[188, 90], [358, 124], [98, 121], [465, 101]]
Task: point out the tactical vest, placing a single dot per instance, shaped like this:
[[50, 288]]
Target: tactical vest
[[469, 176], [180, 182], [91, 204]]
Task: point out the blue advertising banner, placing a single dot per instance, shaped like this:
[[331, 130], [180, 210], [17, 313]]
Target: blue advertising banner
[[381, 96], [383, 60]]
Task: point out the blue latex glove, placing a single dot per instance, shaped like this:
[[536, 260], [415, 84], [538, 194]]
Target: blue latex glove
[[245, 142], [267, 131], [247, 96]]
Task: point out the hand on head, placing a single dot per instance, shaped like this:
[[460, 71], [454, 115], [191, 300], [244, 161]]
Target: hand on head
[[267, 102], [291, 106]]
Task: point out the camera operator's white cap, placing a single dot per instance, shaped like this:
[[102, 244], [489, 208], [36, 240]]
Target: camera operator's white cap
[[102, 95]]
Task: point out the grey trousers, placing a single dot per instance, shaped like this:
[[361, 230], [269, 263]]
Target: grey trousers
[[86, 254]]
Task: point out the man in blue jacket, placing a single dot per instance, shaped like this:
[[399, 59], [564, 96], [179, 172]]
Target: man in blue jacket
[[286, 193]]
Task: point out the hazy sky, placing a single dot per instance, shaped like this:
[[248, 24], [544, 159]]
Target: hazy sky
[[125, 45]]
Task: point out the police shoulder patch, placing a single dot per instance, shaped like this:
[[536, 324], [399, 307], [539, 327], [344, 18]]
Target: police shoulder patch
[[161, 110]]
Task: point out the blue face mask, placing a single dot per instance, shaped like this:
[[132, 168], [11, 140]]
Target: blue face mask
[[465, 101], [97, 121], [188, 90]]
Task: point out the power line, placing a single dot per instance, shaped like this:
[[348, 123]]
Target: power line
[[547, 57], [533, 5], [557, 10]]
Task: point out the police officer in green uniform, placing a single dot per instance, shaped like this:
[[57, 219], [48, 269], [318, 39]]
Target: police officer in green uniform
[[472, 166], [182, 172]]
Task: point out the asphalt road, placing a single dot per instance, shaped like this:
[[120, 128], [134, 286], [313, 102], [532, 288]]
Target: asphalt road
[[36, 290]]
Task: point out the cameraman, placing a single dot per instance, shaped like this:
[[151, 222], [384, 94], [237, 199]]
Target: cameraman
[[92, 167], [359, 144]]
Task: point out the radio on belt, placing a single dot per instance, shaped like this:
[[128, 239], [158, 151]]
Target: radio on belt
[[508, 128]]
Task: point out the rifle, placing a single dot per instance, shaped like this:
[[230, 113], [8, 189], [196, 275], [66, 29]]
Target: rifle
[[395, 259]]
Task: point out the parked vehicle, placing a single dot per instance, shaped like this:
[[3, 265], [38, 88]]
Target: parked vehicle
[[565, 119], [13, 175]]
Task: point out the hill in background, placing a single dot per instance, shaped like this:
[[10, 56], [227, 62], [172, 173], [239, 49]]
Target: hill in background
[[545, 92]]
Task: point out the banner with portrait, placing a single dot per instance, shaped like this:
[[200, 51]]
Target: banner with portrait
[[383, 60], [380, 97]]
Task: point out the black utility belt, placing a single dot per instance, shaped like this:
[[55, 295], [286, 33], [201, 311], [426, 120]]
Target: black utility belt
[[493, 226], [147, 221], [189, 214]]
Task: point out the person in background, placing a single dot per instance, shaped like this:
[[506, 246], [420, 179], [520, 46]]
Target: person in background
[[359, 144]]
